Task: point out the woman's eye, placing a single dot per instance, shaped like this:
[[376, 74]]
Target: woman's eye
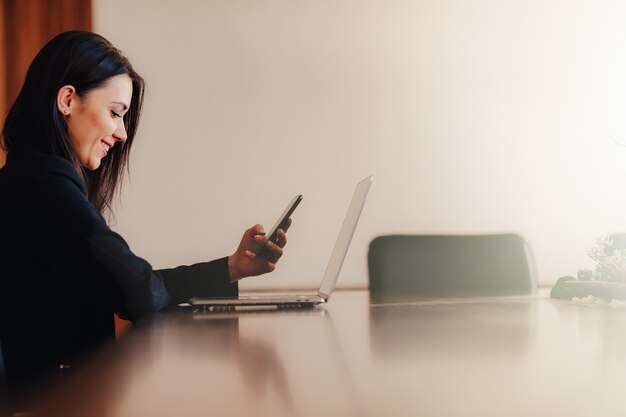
[[115, 114]]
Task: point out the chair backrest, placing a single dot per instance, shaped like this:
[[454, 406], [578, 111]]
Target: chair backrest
[[451, 265]]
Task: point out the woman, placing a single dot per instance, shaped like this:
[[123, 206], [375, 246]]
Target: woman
[[63, 271]]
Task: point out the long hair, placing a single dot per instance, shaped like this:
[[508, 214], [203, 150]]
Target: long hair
[[86, 61]]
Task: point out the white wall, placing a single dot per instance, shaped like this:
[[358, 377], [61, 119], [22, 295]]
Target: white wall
[[473, 115]]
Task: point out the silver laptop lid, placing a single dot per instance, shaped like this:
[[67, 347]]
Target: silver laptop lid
[[345, 236]]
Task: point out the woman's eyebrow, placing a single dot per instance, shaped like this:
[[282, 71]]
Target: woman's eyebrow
[[121, 103]]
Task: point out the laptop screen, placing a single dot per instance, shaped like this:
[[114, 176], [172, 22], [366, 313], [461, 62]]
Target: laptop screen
[[345, 236]]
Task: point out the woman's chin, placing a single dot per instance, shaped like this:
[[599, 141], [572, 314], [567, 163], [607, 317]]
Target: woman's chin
[[92, 165]]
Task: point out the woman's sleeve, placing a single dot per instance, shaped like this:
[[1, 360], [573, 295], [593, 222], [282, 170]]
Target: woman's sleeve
[[207, 279]]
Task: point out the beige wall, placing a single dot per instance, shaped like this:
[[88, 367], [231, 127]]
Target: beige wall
[[473, 115]]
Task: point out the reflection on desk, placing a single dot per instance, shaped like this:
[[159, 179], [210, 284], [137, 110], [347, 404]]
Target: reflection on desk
[[465, 357]]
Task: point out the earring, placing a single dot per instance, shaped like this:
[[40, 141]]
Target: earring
[[66, 111]]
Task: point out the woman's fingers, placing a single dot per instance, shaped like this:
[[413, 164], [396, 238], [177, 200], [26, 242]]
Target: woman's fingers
[[281, 238], [273, 252]]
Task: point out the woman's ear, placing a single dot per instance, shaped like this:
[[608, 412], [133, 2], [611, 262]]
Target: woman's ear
[[66, 99]]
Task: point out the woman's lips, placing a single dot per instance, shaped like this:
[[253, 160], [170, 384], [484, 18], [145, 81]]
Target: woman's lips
[[105, 148]]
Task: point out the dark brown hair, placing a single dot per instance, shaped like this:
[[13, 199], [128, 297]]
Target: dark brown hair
[[86, 61]]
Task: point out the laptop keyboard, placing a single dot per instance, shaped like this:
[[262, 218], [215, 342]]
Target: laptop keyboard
[[274, 297]]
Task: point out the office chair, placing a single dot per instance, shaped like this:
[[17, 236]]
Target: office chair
[[451, 265]]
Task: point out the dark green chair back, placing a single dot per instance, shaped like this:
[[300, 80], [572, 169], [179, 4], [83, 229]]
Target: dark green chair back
[[451, 265]]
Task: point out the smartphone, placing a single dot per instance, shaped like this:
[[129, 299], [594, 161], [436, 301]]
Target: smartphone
[[281, 223]]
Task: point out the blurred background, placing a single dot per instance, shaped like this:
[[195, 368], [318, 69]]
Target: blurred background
[[474, 116]]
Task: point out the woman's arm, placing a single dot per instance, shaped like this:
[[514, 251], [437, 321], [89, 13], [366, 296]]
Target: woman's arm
[[83, 235]]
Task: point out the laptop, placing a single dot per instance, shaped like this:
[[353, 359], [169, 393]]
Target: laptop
[[330, 276]]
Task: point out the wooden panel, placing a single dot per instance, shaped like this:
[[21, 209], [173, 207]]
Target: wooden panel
[[121, 326], [32, 23], [24, 33]]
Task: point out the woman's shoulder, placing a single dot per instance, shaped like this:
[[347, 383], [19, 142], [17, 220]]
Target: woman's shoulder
[[35, 167]]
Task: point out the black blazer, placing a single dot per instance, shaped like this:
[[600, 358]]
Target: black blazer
[[64, 272]]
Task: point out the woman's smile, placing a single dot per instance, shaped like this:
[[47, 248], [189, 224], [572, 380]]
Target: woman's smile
[[106, 146]]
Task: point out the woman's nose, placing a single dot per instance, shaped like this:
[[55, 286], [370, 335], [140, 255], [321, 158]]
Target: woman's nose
[[120, 132]]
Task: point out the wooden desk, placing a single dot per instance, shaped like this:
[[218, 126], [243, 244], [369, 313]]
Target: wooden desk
[[525, 356]]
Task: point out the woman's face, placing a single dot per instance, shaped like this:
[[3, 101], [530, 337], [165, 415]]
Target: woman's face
[[95, 121]]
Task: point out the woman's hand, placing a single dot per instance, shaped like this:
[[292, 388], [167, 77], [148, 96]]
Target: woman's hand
[[245, 263]]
